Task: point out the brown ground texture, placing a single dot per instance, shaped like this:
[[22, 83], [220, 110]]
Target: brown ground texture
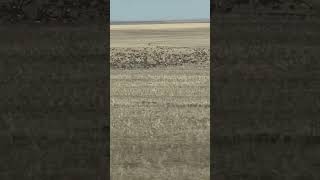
[[160, 101]]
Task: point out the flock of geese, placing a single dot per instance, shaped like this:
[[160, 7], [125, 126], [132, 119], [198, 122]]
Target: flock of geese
[[148, 57]]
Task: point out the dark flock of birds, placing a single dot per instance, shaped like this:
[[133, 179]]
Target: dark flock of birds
[[129, 58]]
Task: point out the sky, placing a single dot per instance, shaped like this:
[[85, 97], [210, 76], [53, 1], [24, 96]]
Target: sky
[[155, 10]]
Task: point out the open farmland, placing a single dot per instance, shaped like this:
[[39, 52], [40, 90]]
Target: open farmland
[[168, 35], [160, 101]]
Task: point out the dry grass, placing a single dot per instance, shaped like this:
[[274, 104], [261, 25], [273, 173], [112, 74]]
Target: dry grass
[[160, 102], [192, 35], [160, 123], [173, 26]]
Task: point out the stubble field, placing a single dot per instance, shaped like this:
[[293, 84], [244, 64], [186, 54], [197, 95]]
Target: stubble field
[[160, 101]]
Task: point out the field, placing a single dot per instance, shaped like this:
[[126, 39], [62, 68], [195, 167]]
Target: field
[[160, 104], [266, 83], [168, 35]]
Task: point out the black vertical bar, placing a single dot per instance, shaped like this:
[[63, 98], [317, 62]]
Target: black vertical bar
[[104, 169], [211, 92], [55, 92], [264, 99]]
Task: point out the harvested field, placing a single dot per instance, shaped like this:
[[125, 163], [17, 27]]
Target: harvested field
[[160, 102], [160, 123], [172, 26], [189, 35]]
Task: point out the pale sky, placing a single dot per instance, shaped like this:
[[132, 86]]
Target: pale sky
[[153, 10]]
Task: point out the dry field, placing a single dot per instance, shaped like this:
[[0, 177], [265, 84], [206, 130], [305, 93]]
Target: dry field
[[168, 35], [160, 101]]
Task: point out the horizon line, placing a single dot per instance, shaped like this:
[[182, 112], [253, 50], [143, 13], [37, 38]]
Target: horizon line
[[161, 21]]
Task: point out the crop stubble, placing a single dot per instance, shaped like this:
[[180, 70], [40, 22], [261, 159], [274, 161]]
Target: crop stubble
[[160, 103]]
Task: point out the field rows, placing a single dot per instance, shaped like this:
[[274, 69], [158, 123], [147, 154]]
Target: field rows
[[160, 123]]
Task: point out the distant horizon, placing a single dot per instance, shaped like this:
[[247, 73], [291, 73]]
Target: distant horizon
[[168, 20]]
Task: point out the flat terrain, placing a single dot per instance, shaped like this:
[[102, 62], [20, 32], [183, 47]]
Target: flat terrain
[[160, 123], [168, 35], [160, 101]]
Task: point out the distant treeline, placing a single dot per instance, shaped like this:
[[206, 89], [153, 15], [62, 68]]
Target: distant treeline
[[63, 11]]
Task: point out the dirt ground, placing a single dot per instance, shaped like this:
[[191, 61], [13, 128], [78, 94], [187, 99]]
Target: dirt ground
[[168, 35], [160, 101]]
